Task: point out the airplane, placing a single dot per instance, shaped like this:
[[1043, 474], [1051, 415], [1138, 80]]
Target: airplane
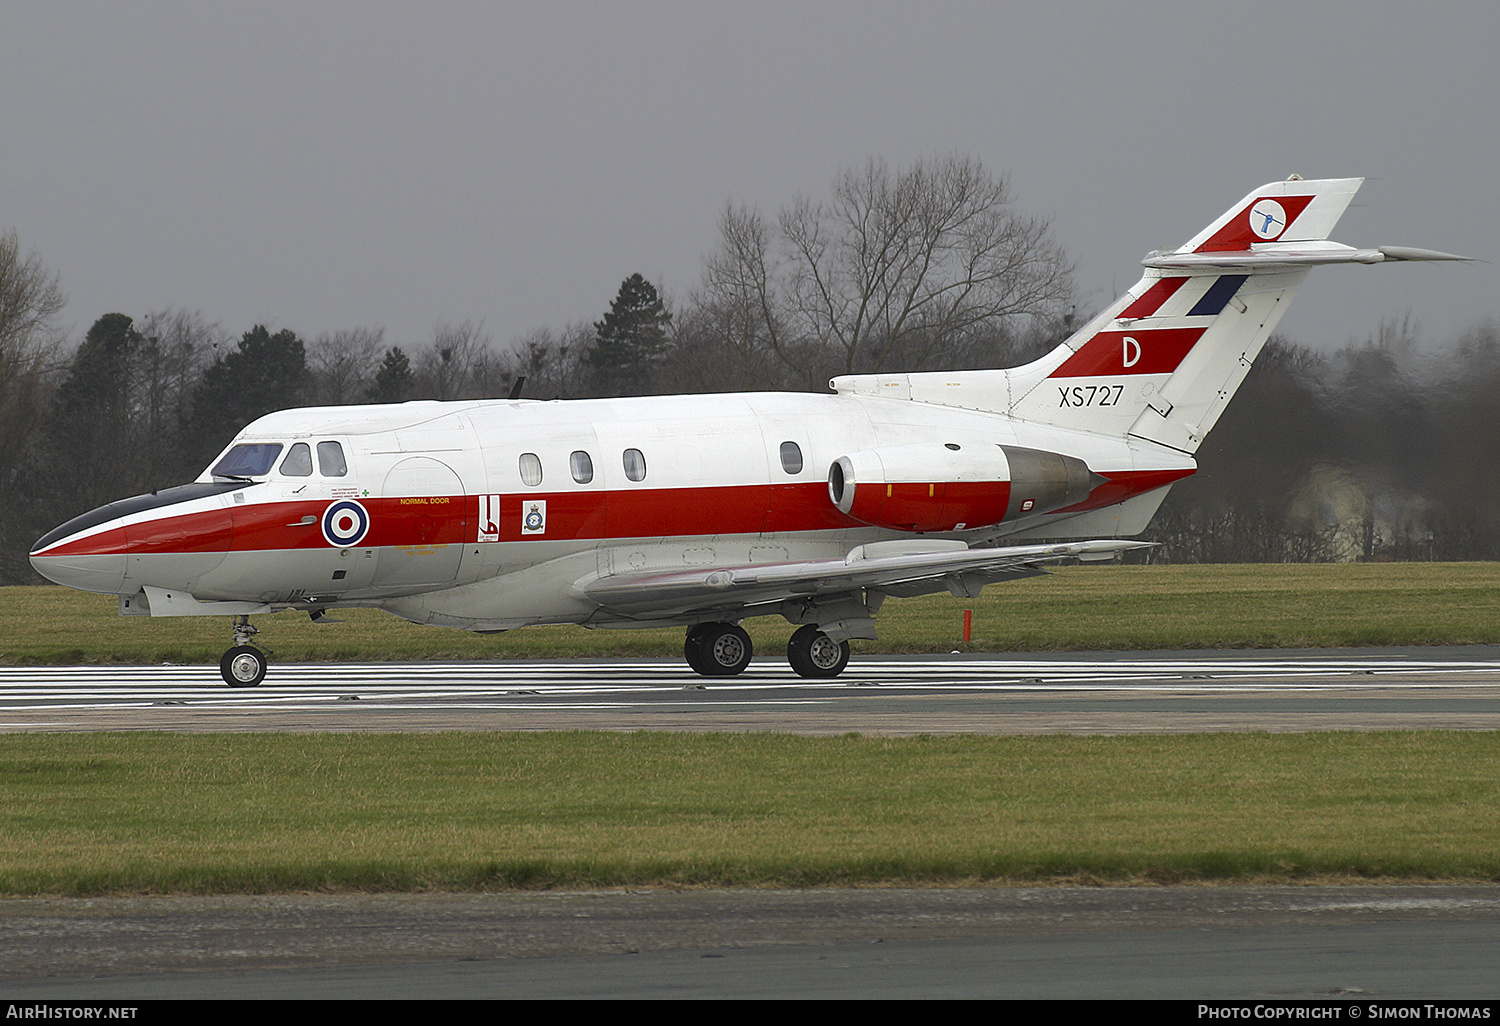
[[700, 511]]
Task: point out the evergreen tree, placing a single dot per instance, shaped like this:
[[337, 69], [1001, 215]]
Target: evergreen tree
[[264, 373], [394, 379], [630, 340], [93, 444], [98, 383]]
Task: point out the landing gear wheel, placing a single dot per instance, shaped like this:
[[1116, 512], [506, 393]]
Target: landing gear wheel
[[814, 654], [243, 666], [718, 649], [692, 649]]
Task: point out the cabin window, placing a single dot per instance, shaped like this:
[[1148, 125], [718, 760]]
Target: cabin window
[[531, 469], [791, 457], [249, 460], [582, 466], [635, 465], [331, 460], [298, 462]]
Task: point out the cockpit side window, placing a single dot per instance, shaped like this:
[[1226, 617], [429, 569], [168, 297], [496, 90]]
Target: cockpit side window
[[298, 462], [331, 460], [251, 459]]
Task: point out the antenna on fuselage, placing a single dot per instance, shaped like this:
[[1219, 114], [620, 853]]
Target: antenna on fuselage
[[515, 390]]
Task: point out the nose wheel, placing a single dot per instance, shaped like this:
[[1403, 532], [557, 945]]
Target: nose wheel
[[244, 665]]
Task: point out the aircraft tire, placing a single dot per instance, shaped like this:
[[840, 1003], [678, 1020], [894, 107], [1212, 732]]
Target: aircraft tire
[[814, 654], [243, 666], [692, 649], [723, 650]]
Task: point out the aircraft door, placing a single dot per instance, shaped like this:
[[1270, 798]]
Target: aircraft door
[[422, 525]]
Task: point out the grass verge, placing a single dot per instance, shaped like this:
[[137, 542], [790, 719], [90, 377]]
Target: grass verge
[[1082, 608], [247, 813]]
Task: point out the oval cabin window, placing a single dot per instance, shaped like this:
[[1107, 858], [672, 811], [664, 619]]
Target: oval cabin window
[[635, 464], [582, 466], [531, 469], [791, 457]]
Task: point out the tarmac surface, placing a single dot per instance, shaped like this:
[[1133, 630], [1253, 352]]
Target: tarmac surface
[[1305, 943], [1300, 943], [1164, 692]]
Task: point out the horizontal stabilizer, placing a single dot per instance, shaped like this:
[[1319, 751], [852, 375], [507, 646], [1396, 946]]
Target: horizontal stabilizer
[[1409, 253], [1276, 255]]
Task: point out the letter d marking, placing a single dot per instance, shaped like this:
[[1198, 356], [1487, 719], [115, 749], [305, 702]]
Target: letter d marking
[[1130, 351]]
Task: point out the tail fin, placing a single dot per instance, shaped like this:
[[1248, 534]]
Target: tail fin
[[1161, 362]]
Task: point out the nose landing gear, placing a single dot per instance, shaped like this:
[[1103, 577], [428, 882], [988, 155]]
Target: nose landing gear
[[244, 665]]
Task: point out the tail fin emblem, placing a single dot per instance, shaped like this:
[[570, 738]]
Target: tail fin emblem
[[1267, 219], [1130, 351]]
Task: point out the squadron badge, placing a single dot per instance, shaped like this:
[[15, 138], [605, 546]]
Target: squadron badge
[[534, 517]]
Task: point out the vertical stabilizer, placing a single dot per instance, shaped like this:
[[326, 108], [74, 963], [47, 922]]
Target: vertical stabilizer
[[1162, 361]]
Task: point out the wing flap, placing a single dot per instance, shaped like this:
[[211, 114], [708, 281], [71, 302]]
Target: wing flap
[[674, 592]]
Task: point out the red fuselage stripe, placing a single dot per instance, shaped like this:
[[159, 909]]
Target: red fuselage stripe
[[582, 515]]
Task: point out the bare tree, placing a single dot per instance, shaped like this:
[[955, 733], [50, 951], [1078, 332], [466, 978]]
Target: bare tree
[[342, 364], [735, 332], [179, 344], [446, 369], [551, 362], [30, 346], [895, 271]]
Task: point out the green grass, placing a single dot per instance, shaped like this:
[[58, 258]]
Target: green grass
[[159, 813], [156, 813], [1077, 608]]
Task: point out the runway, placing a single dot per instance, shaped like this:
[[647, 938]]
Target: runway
[[1110, 693]]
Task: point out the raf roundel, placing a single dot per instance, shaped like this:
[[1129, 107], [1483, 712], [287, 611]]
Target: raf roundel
[[345, 523]]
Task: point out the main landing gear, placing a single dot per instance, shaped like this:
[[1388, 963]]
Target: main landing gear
[[724, 649], [244, 665], [717, 649], [814, 654]]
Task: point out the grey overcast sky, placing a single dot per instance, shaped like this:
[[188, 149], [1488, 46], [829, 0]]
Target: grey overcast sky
[[318, 165]]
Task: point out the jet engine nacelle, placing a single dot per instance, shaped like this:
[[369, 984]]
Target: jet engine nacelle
[[948, 487]]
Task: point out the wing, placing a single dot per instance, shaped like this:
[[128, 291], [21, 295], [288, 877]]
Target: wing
[[900, 568]]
